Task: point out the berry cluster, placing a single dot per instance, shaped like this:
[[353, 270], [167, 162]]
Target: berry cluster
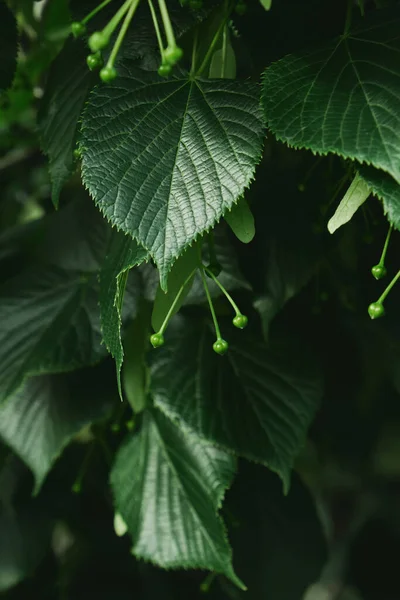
[[212, 270], [99, 40], [376, 309]]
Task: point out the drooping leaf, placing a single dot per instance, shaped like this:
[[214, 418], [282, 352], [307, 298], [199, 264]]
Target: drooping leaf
[[254, 401], [356, 195], [47, 411], [142, 139], [240, 219], [384, 187], [123, 254], [342, 98], [270, 539], [8, 46], [135, 370], [168, 486], [66, 89], [179, 274], [49, 323]]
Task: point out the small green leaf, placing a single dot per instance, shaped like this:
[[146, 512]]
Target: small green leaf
[[42, 417], [168, 486], [266, 4], [385, 188], [240, 219], [142, 137], [123, 254], [257, 402], [223, 62], [8, 46], [355, 196], [49, 323], [184, 266], [68, 85], [343, 97]]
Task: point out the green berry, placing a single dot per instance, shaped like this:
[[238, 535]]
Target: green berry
[[240, 321], [220, 346], [164, 70], [215, 269], [172, 55], [77, 153], [94, 61], [376, 310], [98, 41], [77, 29], [107, 74], [196, 4], [378, 271], [240, 8], [157, 340]]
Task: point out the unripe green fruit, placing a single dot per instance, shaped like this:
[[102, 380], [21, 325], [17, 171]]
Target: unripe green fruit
[[376, 310], [98, 41], [220, 346], [94, 61], [157, 340], [378, 271], [107, 74], [240, 321], [77, 29], [172, 55], [164, 70]]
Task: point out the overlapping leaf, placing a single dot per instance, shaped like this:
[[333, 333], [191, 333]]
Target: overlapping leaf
[[48, 323], [252, 401], [386, 189], [168, 487], [42, 417], [164, 159], [342, 98], [123, 254]]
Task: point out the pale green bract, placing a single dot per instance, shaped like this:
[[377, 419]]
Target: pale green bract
[[164, 159], [342, 98], [355, 196], [168, 486]]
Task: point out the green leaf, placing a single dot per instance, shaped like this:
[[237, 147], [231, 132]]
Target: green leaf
[[275, 535], [135, 371], [240, 219], [123, 254], [164, 159], [49, 323], [8, 46], [344, 97], [177, 277], [385, 188], [168, 487], [266, 4], [254, 401], [43, 416], [67, 87], [356, 195], [223, 62]]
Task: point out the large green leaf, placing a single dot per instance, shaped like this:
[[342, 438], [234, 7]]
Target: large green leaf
[[8, 45], [343, 97], [386, 189], [123, 254], [66, 89], [164, 159], [168, 487], [43, 416], [275, 536], [253, 401], [48, 323]]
